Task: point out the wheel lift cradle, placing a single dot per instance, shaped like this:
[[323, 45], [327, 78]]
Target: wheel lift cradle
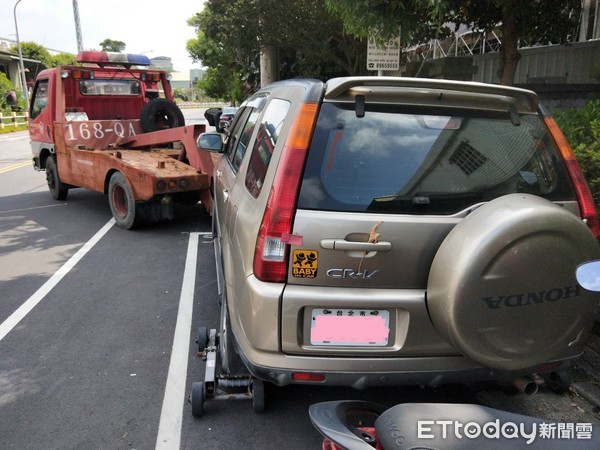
[[219, 386]]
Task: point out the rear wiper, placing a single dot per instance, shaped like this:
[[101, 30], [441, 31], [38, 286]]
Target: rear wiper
[[441, 201], [426, 199]]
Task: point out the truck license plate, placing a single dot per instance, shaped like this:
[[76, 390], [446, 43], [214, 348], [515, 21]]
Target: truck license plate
[[350, 327]]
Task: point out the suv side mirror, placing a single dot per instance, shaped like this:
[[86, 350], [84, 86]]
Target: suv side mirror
[[588, 276], [212, 142]]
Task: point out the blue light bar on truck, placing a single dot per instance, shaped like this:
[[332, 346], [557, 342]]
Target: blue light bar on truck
[[113, 58]]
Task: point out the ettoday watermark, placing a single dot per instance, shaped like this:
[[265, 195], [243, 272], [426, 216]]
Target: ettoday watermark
[[430, 429]]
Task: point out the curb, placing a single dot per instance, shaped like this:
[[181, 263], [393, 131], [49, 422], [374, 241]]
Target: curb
[[588, 390]]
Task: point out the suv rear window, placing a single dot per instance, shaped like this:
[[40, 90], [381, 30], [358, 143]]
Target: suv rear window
[[407, 161]]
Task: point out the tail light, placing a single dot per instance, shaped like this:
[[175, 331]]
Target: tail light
[[272, 251], [584, 196], [79, 74]]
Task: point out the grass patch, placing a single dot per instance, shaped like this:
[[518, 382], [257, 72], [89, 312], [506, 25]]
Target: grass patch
[[11, 128]]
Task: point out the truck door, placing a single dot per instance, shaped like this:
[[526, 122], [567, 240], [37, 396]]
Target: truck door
[[41, 130]]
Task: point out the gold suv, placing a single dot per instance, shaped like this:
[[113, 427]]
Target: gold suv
[[386, 231]]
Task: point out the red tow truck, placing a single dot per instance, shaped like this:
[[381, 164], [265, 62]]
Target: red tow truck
[[110, 125]]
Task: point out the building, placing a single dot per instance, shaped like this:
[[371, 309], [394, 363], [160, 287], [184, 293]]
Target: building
[[9, 63], [162, 63], [187, 81]]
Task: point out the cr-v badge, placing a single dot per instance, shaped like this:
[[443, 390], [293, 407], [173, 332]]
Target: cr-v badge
[[352, 273]]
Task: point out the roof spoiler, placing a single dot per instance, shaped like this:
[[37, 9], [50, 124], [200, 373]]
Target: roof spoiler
[[524, 99]]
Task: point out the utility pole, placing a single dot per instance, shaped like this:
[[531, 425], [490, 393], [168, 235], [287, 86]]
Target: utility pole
[[77, 26], [21, 65]]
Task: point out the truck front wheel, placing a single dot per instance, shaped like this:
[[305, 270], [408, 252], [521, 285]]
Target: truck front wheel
[[58, 190], [122, 202]]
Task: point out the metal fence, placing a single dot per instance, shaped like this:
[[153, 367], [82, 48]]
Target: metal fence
[[578, 63]]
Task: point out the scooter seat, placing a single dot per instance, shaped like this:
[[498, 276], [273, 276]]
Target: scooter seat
[[468, 426]]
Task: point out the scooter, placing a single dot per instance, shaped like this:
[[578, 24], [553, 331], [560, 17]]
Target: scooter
[[360, 425]]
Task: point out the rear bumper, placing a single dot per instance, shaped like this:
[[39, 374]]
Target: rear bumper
[[272, 343], [361, 374]]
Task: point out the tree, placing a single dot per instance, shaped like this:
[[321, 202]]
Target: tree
[[110, 45], [33, 51], [414, 20], [304, 39], [532, 22], [224, 62], [63, 59]]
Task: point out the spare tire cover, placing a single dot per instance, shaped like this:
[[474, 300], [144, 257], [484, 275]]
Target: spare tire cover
[[502, 285]]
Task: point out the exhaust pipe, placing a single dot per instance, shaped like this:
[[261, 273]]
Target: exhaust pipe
[[526, 385]]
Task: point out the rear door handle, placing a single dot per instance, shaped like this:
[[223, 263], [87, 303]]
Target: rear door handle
[[343, 244], [225, 195]]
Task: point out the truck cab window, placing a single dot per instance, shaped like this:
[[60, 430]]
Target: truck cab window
[[40, 98]]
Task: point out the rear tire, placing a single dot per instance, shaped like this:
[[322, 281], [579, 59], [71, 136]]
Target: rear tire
[[122, 202], [57, 189]]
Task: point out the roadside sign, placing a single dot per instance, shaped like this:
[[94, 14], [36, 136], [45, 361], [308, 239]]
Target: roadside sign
[[386, 57]]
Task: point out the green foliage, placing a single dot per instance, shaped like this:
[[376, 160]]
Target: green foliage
[[181, 94], [217, 84], [63, 59], [12, 128], [310, 42], [582, 129], [415, 20], [538, 22], [527, 22], [31, 50], [111, 45], [5, 88]]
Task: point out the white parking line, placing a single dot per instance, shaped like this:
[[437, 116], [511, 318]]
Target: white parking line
[[16, 317], [169, 429], [12, 211]]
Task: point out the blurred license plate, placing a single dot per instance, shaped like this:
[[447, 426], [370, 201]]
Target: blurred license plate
[[350, 327]]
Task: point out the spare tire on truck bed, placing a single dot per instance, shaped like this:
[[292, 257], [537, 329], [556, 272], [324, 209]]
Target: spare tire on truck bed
[[502, 285], [159, 114]]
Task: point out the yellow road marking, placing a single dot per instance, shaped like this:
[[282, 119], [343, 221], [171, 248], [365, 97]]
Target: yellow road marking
[[15, 166]]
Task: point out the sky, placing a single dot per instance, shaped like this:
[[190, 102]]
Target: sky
[[145, 26]]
